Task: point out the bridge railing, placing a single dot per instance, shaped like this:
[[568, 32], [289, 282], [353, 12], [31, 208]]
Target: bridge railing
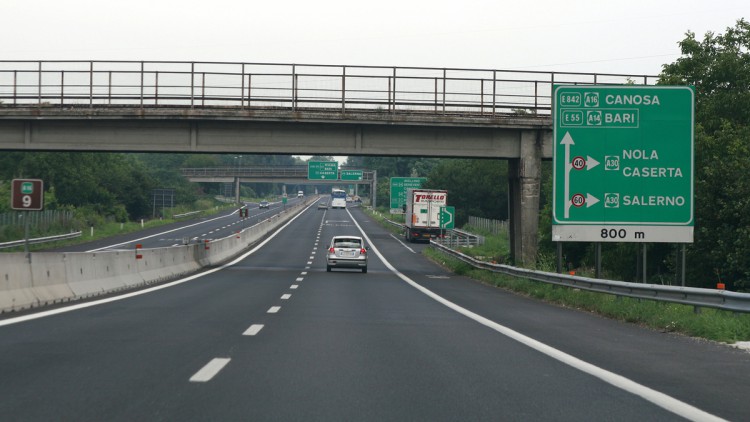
[[341, 88], [257, 172]]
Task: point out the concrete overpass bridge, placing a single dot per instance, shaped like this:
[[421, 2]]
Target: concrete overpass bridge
[[296, 175], [294, 109]]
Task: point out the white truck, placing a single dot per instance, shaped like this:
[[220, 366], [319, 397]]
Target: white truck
[[422, 216]]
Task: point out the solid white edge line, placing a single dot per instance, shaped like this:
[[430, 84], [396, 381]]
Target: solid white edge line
[[253, 330], [11, 321], [660, 399], [210, 370], [403, 244]]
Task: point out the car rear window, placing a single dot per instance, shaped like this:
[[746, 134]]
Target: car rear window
[[346, 243]]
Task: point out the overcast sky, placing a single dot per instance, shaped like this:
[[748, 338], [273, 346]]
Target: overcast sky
[[601, 36]]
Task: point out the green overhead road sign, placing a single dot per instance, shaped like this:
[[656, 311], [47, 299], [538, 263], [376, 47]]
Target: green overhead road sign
[[399, 186], [351, 174], [322, 170], [623, 163], [447, 217]]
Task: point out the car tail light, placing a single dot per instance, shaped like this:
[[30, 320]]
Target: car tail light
[[331, 250], [363, 251]]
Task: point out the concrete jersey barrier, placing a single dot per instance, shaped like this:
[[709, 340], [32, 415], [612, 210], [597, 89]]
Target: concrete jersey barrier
[[53, 277]]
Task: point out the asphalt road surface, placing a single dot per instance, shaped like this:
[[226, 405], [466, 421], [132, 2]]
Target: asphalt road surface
[[273, 336], [197, 230]]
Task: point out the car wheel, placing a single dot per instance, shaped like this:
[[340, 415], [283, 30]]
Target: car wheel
[[328, 268], [364, 270]]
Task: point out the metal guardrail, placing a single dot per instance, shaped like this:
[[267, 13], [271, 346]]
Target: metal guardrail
[[456, 237], [708, 298], [453, 237], [15, 243], [186, 214], [337, 88]]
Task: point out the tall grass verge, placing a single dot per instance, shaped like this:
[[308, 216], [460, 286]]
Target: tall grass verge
[[711, 324]]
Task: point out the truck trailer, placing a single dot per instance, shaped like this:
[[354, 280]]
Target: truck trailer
[[422, 215]]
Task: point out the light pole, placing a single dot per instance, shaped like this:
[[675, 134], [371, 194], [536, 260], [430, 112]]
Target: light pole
[[237, 192]]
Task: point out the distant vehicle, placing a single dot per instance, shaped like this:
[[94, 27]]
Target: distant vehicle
[[263, 204], [349, 199], [422, 217], [300, 194], [338, 198], [322, 205], [347, 252]]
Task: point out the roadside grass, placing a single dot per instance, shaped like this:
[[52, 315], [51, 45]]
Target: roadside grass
[[381, 215], [711, 324]]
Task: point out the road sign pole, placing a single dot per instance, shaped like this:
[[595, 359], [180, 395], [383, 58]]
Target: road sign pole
[[26, 236]]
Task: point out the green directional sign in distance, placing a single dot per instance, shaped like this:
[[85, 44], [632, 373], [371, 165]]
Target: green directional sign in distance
[[351, 174], [399, 186], [623, 163], [447, 217], [322, 170]]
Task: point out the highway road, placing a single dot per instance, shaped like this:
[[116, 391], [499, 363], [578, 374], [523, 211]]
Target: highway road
[[211, 227], [273, 336]]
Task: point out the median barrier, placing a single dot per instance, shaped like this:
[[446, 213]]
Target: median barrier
[[49, 278], [53, 277], [15, 282], [91, 274]]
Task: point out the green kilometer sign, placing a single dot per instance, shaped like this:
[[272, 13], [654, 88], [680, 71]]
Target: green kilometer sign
[[399, 186], [623, 163], [351, 174], [322, 170]]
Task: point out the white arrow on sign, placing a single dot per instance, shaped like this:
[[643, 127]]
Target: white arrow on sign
[[590, 162], [591, 200]]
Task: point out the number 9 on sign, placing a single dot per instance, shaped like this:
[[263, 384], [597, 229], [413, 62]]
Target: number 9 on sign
[[26, 200]]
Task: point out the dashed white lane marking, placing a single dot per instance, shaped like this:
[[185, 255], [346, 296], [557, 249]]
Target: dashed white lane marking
[[274, 309], [293, 287], [299, 279], [312, 257], [57, 311], [660, 399], [309, 263], [285, 297], [253, 330], [210, 370], [303, 273]]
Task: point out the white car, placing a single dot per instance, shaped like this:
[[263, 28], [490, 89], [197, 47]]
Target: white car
[[347, 252]]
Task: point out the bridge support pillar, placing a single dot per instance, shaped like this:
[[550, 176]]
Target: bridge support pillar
[[524, 176]]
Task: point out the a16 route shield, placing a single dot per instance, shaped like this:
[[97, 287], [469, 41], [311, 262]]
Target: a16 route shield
[[623, 163]]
